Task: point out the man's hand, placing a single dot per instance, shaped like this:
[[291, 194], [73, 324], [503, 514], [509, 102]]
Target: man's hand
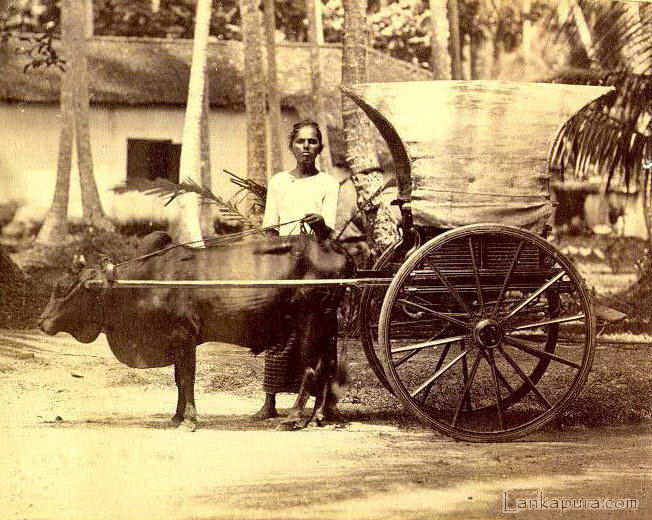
[[318, 226]]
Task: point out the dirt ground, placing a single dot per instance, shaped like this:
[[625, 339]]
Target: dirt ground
[[86, 437]]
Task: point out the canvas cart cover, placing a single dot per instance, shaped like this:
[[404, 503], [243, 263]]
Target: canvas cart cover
[[469, 152]]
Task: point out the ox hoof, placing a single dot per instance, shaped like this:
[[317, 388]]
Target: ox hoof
[[187, 426], [287, 426], [176, 420]]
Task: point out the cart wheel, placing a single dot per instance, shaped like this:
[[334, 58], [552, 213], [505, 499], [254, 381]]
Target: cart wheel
[[371, 300], [518, 340]]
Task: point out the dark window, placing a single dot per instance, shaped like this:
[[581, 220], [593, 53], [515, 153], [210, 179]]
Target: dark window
[[152, 158]]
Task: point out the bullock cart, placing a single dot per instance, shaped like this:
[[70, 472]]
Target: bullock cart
[[473, 319]]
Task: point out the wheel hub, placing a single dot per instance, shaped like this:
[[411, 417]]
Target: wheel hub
[[488, 333]]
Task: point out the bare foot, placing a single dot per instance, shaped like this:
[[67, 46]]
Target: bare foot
[[265, 413]]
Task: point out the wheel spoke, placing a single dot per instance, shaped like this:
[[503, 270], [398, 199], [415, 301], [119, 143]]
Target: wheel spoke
[[501, 378], [508, 278], [476, 275], [566, 319], [465, 376], [533, 296], [525, 379], [427, 344], [467, 388], [437, 313], [494, 376], [403, 323], [406, 357], [527, 347], [450, 288], [441, 371], [440, 362]]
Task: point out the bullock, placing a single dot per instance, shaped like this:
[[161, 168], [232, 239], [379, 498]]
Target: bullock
[[163, 326]]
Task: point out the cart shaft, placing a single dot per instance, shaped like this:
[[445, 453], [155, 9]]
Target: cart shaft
[[234, 284]]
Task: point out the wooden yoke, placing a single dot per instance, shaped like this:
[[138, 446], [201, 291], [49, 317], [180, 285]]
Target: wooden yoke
[[468, 152]]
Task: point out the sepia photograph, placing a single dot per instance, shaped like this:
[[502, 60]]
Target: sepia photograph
[[325, 259]]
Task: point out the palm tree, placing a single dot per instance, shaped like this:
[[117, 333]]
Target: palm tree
[[274, 98], [93, 214], [55, 224], [255, 102], [206, 210], [455, 41], [440, 59], [187, 226], [361, 152], [315, 39], [612, 137]]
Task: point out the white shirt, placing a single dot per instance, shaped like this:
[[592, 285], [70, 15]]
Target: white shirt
[[290, 198]]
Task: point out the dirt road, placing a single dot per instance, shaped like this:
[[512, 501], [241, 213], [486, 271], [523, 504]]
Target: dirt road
[[85, 437]]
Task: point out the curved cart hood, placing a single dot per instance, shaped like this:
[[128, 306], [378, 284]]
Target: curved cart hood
[[468, 152]]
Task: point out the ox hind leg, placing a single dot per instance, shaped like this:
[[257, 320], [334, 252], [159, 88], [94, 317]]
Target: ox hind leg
[[326, 346]]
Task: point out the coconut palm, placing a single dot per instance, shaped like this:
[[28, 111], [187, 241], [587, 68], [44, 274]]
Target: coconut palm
[[255, 102], [361, 152], [612, 137], [315, 39], [440, 59], [93, 214], [187, 225], [269, 17], [55, 224]]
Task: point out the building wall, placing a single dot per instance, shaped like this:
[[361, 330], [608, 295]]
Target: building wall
[[28, 156]]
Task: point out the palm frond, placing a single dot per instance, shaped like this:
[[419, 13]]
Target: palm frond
[[611, 137], [160, 187], [258, 190]]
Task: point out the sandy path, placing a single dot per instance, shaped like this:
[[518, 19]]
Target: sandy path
[[112, 455]]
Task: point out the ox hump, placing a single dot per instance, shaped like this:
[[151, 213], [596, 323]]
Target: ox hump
[[154, 242]]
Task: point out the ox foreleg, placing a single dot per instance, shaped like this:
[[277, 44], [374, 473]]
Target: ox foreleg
[[184, 370], [177, 419]]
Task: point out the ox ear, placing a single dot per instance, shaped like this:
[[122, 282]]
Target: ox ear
[[78, 263]]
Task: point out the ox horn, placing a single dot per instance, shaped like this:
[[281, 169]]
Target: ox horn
[[78, 262]]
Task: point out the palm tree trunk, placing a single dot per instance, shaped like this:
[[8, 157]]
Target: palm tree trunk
[[455, 40], [255, 103], [315, 39], [205, 210], [360, 147], [440, 59], [274, 98], [55, 225], [187, 227], [92, 212]]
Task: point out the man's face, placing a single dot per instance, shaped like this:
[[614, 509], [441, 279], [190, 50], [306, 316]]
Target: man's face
[[306, 146]]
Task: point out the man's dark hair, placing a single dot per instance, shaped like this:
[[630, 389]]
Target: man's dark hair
[[308, 122]]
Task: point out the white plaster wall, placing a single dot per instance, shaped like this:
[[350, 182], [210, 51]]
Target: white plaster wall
[[28, 155]]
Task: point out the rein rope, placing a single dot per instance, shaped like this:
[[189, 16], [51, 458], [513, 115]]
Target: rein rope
[[232, 237]]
